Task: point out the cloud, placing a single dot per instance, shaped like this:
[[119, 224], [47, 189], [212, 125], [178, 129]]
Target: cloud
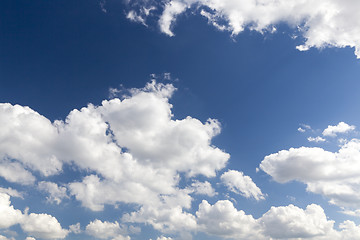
[[238, 183], [331, 174], [332, 131], [37, 225], [316, 139], [285, 222], [105, 230], [203, 188], [56, 193], [328, 23], [12, 192], [296, 222], [222, 219], [75, 228]]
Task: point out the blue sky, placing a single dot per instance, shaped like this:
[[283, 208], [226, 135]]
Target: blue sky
[[179, 119]]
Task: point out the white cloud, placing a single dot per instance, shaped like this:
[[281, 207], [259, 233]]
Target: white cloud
[[75, 228], [334, 175], [5, 238], [164, 238], [203, 188], [133, 147], [43, 226], [285, 222], [327, 23], [332, 131], [12, 192], [316, 139], [37, 225], [301, 129], [238, 183], [56, 193], [8, 215], [30, 238], [106, 230], [28, 138], [293, 222], [222, 219], [15, 172]]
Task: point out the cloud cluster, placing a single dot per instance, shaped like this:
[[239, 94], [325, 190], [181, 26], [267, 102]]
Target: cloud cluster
[[132, 148], [328, 23], [331, 174], [238, 183], [37, 225]]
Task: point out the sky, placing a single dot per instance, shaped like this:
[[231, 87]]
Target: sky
[[179, 119]]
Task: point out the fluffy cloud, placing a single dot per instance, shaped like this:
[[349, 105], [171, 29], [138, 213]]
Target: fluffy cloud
[[11, 192], [328, 23], [239, 183], [316, 139], [8, 215], [132, 147], [332, 131], [56, 193], [286, 222], [106, 230], [223, 219], [43, 226], [203, 188], [37, 225], [334, 175], [296, 222]]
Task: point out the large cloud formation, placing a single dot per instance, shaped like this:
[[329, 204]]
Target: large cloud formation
[[334, 175], [327, 23], [132, 150]]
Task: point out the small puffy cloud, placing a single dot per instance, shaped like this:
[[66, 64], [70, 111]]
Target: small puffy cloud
[[327, 23], [164, 238], [334, 175], [292, 222], [30, 238], [224, 220], [37, 225], [238, 183], [15, 172], [342, 127], [43, 226], [203, 188], [316, 139], [301, 129], [105, 230], [75, 228], [56, 193]]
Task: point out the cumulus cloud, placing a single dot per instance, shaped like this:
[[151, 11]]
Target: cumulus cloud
[[106, 230], [296, 222], [56, 193], [332, 131], [37, 225], [224, 220], [203, 188], [316, 139], [238, 183], [331, 174], [12, 192], [329, 23], [285, 222], [75, 228], [132, 147]]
